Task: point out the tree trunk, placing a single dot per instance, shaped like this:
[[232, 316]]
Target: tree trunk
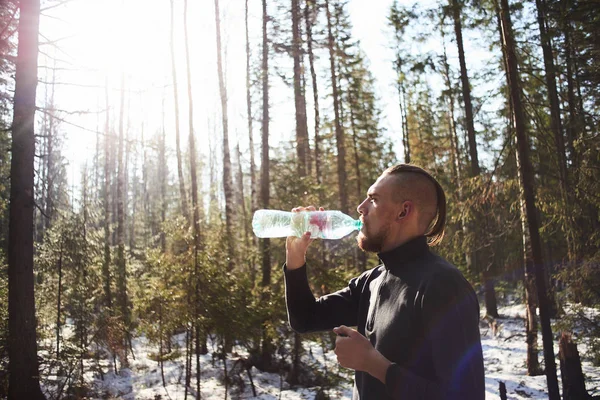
[[339, 132], [240, 185], [570, 367], [50, 162], [253, 197], [452, 134], [502, 388], [556, 127], [146, 208], [555, 120], [466, 87], [58, 299], [123, 302], [574, 124], [160, 348], [22, 346], [404, 122], [475, 258], [531, 323], [195, 201], [188, 360], [162, 170], [302, 145], [527, 184], [398, 65], [134, 195], [296, 354], [182, 192], [82, 320], [361, 256], [41, 179], [107, 192], [227, 179], [265, 244], [315, 89]]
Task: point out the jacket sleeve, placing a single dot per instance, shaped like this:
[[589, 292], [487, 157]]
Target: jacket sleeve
[[450, 316], [307, 314]]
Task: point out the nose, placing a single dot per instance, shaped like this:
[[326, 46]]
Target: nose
[[362, 210]]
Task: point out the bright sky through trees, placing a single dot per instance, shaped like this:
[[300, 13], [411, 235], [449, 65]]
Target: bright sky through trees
[[95, 42]]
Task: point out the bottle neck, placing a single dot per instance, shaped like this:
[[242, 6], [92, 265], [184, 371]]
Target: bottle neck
[[358, 224]]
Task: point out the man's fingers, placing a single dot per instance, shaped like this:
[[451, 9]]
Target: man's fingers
[[342, 330], [306, 238]]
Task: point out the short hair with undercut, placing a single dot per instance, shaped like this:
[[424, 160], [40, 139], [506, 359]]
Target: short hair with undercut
[[424, 190]]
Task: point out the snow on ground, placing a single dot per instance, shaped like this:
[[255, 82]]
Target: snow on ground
[[504, 357]]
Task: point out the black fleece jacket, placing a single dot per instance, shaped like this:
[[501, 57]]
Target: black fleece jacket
[[417, 310]]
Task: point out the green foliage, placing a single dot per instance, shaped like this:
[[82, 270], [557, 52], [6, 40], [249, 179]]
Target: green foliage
[[174, 289], [581, 293]]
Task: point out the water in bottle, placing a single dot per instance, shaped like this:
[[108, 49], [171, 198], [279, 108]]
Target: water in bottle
[[329, 224]]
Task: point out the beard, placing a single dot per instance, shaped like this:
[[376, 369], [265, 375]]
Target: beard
[[372, 242]]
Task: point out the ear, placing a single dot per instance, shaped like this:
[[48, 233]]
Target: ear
[[406, 210]]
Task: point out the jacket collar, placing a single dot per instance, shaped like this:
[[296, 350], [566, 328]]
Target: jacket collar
[[404, 253]]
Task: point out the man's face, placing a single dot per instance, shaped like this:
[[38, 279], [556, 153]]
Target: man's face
[[377, 212]]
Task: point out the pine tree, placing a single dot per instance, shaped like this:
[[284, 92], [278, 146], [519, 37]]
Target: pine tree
[[22, 347], [526, 181], [265, 245], [227, 175], [182, 191], [339, 131]]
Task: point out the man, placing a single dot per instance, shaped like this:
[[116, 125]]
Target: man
[[417, 317]]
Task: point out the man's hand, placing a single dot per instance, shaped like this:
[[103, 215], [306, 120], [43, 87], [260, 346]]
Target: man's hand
[[354, 351], [295, 247]]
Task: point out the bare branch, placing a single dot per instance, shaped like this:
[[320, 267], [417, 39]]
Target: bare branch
[[40, 209], [69, 69], [71, 84], [51, 57], [58, 4], [76, 112], [53, 42]]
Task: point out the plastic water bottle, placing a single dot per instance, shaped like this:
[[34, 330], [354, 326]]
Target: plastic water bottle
[[329, 224]]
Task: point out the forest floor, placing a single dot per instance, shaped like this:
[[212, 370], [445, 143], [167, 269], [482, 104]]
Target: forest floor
[[504, 358]]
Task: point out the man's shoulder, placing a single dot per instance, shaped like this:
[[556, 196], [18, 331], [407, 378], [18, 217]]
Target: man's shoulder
[[372, 273], [363, 280], [441, 269]]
